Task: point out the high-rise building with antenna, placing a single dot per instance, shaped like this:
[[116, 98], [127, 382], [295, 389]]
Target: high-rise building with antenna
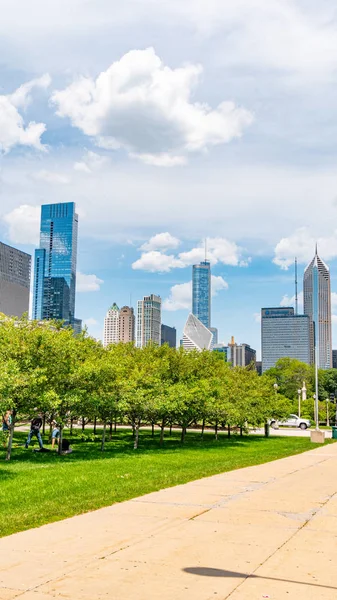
[[201, 292], [317, 305]]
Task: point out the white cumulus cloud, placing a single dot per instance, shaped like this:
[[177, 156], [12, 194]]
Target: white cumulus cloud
[[13, 130], [161, 241], [23, 224], [145, 107], [87, 283], [180, 297], [291, 300], [219, 250], [156, 262], [302, 245]]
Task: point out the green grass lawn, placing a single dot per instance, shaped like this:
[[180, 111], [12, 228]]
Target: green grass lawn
[[40, 488]]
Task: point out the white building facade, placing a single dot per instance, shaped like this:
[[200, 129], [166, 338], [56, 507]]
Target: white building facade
[[196, 336], [111, 326]]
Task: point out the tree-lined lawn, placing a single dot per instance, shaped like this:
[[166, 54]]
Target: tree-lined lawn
[[40, 488]]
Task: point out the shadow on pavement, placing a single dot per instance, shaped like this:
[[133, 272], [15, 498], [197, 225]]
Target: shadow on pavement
[[209, 572]]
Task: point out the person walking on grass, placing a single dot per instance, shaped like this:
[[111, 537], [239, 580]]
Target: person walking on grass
[[6, 425], [35, 427], [55, 435]]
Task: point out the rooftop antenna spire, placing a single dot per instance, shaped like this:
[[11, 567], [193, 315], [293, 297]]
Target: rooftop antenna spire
[[296, 290], [316, 250]]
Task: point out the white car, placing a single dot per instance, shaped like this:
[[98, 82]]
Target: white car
[[292, 421]]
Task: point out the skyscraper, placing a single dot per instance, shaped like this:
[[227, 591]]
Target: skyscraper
[[126, 324], [284, 334], [14, 281], [55, 264], [111, 326], [201, 292], [149, 320], [317, 305], [169, 336]]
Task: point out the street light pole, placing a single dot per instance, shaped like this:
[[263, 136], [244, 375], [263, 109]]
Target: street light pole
[[299, 402], [327, 412]]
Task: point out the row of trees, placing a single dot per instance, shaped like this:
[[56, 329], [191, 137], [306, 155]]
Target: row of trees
[[45, 368]]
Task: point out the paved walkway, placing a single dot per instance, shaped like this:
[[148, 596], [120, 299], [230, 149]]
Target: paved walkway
[[262, 532]]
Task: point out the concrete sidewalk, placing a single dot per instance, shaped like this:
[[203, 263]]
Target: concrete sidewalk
[[262, 532]]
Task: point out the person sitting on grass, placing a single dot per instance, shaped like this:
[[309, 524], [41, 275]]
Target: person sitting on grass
[[55, 434], [35, 427], [66, 447]]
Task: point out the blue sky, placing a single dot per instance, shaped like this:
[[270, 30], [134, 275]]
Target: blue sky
[[168, 122]]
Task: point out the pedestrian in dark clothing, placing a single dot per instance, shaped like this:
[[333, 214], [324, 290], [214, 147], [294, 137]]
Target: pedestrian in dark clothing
[[35, 427]]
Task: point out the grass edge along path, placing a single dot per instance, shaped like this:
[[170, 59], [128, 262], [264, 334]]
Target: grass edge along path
[[36, 489]]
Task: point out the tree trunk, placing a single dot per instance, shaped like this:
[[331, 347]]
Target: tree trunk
[[152, 429], [11, 435], [266, 429], [115, 427], [183, 433], [71, 425], [216, 430], [103, 436], [44, 424], [203, 429], [229, 431], [95, 425], [241, 431], [171, 424], [83, 424], [60, 440], [162, 428], [135, 444]]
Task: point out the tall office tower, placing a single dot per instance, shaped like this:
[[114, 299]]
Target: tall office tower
[[126, 324], [14, 281], [149, 320], [317, 305], [111, 326], [284, 334], [240, 355], [55, 264], [196, 336], [201, 292], [169, 336]]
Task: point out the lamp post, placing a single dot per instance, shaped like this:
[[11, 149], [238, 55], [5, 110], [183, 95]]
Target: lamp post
[[299, 401], [327, 412]]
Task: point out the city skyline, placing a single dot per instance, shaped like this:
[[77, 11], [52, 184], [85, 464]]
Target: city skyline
[[163, 144], [222, 340]]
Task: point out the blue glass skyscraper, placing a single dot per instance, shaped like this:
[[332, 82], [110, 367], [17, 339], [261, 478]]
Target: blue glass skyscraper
[[55, 264], [201, 292]]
